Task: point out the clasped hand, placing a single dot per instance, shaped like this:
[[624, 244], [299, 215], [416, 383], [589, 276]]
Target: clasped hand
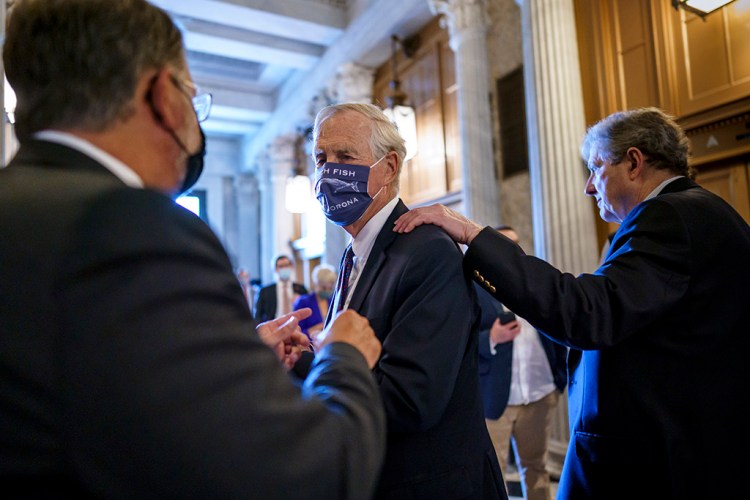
[[284, 336]]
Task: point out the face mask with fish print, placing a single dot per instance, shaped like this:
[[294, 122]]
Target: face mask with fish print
[[341, 190]]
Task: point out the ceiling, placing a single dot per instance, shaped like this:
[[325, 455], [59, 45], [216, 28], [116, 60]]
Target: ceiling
[[262, 59]]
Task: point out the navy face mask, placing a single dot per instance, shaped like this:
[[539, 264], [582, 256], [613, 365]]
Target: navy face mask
[[341, 190], [194, 162]]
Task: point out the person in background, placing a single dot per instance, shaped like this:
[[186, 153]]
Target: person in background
[[522, 374], [131, 365], [323, 283], [247, 290], [421, 306], [277, 298], [658, 333]]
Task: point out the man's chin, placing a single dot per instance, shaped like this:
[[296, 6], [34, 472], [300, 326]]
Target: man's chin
[[607, 216]]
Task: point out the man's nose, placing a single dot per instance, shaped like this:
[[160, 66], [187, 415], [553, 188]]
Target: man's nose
[[589, 188]]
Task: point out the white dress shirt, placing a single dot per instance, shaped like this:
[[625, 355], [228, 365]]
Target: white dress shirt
[[284, 288], [531, 376]]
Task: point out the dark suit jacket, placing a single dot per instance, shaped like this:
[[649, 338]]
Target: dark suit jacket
[[495, 369], [265, 304], [423, 309], [662, 329], [130, 366]]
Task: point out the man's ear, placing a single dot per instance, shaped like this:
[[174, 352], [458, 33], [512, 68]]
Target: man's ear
[[163, 99], [636, 162], [392, 161]]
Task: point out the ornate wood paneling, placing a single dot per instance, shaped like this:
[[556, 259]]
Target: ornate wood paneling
[[712, 63], [730, 181], [645, 53]]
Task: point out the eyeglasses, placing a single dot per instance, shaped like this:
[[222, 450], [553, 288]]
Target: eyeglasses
[[202, 100]]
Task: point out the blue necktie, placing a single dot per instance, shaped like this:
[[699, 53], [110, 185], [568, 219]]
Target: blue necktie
[[346, 271]]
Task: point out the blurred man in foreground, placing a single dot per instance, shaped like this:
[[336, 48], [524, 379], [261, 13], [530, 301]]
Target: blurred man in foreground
[[130, 362]]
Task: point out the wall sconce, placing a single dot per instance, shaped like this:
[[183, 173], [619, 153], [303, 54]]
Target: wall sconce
[[398, 111], [9, 96], [298, 195], [700, 8]]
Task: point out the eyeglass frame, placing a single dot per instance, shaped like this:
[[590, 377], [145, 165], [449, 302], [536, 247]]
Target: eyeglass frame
[[201, 101]]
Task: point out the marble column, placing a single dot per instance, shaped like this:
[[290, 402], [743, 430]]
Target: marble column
[[467, 27], [277, 224], [563, 219], [247, 196], [564, 229]]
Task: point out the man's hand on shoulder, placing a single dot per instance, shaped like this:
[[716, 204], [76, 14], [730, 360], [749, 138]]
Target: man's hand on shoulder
[[458, 227]]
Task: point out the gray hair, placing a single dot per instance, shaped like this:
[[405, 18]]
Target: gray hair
[[74, 64], [655, 133], [324, 273], [384, 138]]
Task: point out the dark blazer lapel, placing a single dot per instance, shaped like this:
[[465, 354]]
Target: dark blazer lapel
[[377, 257]]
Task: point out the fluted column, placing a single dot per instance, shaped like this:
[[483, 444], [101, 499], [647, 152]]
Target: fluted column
[[248, 232], [467, 27], [564, 229], [277, 223]]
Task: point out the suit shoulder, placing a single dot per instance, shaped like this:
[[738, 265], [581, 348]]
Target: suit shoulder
[[148, 210], [430, 246], [428, 234]]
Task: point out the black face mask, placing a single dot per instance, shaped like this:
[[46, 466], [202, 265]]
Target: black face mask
[[194, 167], [194, 162]]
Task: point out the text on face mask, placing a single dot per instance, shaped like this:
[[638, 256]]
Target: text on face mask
[[343, 204], [338, 171]]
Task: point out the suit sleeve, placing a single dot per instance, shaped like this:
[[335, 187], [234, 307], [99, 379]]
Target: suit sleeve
[[642, 278], [486, 320], [428, 335], [171, 391]]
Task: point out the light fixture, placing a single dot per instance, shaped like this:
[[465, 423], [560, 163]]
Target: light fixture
[[298, 196], [700, 8], [10, 101], [398, 111]]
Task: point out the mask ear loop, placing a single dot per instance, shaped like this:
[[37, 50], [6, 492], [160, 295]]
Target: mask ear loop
[[368, 179], [160, 118]]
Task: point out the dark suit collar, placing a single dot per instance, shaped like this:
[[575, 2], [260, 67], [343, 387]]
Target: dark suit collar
[[377, 256], [46, 154], [677, 185]]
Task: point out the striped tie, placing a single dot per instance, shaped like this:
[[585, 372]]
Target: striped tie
[[346, 271]]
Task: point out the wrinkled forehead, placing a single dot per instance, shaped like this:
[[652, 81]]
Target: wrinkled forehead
[[343, 131], [595, 154]]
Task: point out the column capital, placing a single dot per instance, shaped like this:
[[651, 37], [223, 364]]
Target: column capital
[[282, 148], [353, 83], [246, 184], [461, 15], [282, 156]]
